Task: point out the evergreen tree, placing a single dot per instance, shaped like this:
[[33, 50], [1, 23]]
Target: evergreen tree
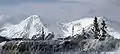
[[103, 35], [72, 30], [83, 31], [50, 36], [84, 34], [43, 35], [96, 28]]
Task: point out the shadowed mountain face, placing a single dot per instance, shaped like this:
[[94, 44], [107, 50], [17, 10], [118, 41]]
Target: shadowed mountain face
[[88, 45], [3, 39]]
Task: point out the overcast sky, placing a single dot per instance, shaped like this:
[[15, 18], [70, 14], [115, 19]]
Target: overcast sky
[[53, 11]]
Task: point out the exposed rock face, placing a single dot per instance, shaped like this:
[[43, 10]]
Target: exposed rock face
[[43, 46], [2, 39], [75, 44]]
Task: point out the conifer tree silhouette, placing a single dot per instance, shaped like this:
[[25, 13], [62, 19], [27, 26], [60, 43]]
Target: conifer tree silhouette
[[43, 35], [72, 30], [96, 28], [84, 34], [103, 35]]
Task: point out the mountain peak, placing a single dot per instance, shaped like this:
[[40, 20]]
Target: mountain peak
[[26, 29], [78, 25], [33, 17], [87, 23]]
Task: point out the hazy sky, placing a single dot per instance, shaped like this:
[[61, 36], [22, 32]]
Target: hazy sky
[[53, 11]]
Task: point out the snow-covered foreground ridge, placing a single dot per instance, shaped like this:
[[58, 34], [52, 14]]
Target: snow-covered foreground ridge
[[86, 23], [25, 29]]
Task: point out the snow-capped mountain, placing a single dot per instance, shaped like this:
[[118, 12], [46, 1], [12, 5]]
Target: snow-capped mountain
[[86, 23], [75, 29], [25, 29], [32, 26]]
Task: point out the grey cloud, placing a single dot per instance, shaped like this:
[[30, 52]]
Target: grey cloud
[[14, 2], [54, 12]]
